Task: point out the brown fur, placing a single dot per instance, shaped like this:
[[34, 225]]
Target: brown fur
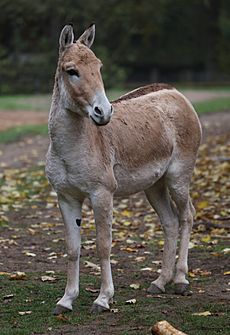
[[143, 91], [149, 144]]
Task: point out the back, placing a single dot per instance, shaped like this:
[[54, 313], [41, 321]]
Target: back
[[151, 122]]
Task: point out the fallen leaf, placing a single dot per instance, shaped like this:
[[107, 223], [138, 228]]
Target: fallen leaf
[[206, 239], [62, 317], [25, 313], [113, 261], [127, 213], [8, 296], [50, 272], [140, 258], [92, 265], [5, 273], [226, 251], [202, 204], [128, 249], [165, 328], [48, 278], [18, 276], [135, 286], [227, 273], [199, 272], [147, 269], [129, 241], [206, 313], [29, 254], [131, 302], [114, 310], [91, 290]]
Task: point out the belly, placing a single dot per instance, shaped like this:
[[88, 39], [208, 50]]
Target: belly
[[131, 181]]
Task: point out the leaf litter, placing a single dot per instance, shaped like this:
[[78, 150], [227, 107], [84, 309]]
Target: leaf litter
[[135, 225]]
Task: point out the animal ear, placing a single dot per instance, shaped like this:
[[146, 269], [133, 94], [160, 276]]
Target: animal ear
[[66, 37], [87, 37]]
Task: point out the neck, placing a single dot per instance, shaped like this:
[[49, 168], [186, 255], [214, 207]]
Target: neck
[[65, 125]]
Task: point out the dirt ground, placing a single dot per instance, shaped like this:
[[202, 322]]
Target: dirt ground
[[38, 229]]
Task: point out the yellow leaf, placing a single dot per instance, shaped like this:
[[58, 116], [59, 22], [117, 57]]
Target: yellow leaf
[[127, 223], [127, 213], [206, 313], [227, 273], [161, 243], [191, 274], [202, 204], [206, 239], [128, 249], [5, 274]]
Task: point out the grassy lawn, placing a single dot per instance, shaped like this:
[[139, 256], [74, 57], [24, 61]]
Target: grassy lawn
[[25, 102], [213, 106], [14, 134], [38, 298]]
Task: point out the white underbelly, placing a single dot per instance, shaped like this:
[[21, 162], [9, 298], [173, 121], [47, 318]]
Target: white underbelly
[[131, 181]]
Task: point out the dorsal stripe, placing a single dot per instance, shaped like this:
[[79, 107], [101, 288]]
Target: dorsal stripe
[[143, 91]]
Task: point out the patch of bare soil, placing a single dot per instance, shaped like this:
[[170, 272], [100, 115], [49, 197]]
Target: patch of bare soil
[[202, 95], [10, 119]]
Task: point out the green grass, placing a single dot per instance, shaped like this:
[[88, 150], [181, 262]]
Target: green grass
[[40, 297], [14, 134], [25, 102], [212, 106]]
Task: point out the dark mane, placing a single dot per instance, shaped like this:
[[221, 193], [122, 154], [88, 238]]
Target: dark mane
[[143, 91]]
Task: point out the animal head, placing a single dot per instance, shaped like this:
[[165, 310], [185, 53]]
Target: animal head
[[81, 84]]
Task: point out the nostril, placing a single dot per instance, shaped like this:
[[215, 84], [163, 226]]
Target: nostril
[[98, 112]]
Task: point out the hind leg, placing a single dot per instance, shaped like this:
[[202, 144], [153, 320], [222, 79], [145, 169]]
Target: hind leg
[[159, 199], [179, 190]]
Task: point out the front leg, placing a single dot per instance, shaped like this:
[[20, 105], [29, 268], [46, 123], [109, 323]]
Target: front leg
[[102, 203], [71, 213]]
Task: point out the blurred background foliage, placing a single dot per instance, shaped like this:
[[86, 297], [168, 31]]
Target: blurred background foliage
[[139, 41]]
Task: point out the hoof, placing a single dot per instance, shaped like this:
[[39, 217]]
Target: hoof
[[59, 309], [97, 309], [154, 289], [182, 289]]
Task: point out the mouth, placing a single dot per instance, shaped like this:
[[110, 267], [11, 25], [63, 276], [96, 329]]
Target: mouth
[[99, 124]]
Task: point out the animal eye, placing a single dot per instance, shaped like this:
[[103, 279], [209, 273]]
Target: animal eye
[[72, 72]]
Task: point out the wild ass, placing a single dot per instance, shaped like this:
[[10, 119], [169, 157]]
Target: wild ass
[[149, 143]]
